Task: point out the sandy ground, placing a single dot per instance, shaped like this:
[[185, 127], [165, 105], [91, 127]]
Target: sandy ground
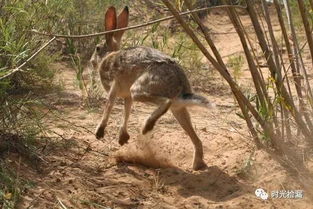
[[83, 172]]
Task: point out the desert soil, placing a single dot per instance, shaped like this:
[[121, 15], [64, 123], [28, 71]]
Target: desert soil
[[154, 171]]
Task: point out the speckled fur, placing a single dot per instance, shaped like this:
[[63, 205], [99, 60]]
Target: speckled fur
[[148, 69]]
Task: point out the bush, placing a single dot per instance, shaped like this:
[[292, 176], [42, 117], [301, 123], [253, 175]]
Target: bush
[[20, 121]]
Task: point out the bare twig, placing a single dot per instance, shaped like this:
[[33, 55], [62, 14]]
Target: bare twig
[[61, 204], [306, 24], [19, 68]]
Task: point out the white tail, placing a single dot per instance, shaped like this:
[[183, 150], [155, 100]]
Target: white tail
[[190, 100]]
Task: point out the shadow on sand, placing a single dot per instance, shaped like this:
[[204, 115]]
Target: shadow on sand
[[212, 184]]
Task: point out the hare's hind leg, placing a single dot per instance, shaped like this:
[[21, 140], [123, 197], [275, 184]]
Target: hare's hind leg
[[161, 110], [164, 105], [182, 116], [123, 134]]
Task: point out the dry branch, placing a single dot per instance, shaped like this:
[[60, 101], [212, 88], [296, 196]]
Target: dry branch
[[275, 72], [223, 71], [306, 25], [136, 26], [221, 62], [19, 68]]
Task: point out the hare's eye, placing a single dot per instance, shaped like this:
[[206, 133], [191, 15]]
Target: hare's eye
[[98, 48]]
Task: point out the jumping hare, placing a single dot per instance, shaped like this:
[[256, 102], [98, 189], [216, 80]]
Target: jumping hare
[[146, 75]]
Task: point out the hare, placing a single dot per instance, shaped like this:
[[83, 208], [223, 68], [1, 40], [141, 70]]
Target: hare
[[146, 75]]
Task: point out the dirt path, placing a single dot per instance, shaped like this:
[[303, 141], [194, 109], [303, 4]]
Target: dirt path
[[82, 172]]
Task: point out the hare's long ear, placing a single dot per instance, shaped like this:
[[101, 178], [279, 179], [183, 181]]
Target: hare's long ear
[[110, 23], [122, 22]]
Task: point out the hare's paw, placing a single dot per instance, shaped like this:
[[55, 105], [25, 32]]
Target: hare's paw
[[199, 164], [100, 132], [123, 137], [148, 126]]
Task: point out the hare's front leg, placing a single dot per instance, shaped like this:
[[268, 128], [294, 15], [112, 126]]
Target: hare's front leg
[[123, 135], [107, 110]]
